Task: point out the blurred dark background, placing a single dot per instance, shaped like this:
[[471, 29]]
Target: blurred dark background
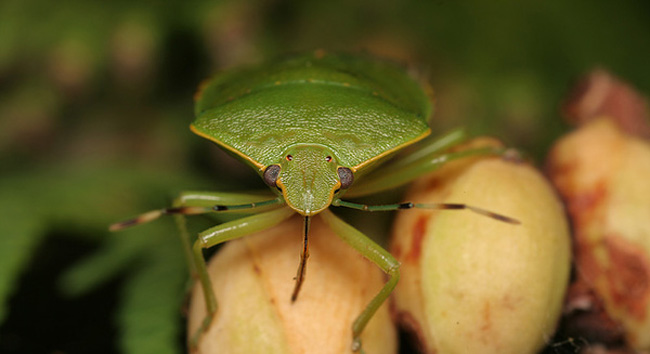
[[96, 99]]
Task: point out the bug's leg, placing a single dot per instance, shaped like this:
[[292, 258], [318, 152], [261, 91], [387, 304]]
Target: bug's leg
[[405, 170], [431, 147], [221, 233], [211, 200], [191, 203], [374, 253], [430, 206]]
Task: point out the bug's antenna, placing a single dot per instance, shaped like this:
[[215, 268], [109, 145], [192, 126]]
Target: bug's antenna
[[303, 259], [191, 210], [155, 214], [431, 206]]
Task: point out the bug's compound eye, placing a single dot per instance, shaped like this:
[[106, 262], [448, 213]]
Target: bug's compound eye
[[271, 175], [289, 157], [328, 158], [345, 176]]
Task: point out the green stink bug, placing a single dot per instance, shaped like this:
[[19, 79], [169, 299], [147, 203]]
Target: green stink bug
[[315, 127]]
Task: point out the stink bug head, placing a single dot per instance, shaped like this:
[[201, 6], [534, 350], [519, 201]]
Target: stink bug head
[[308, 178]]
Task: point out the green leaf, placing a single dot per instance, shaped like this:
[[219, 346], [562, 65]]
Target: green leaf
[[153, 298], [118, 252], [20, 233], [86, 200]]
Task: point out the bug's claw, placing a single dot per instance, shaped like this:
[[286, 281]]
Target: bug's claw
[[194, 341], [356, 345]]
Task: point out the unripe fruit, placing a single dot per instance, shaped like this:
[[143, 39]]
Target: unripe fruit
[[252, 280], [472, 284]]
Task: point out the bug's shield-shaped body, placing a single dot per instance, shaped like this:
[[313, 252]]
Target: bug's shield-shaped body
[[311, 114]]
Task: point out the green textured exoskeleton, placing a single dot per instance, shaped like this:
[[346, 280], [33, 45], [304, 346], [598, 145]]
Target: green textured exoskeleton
[[315, 127]]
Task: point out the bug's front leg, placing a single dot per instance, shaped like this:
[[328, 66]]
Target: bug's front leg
[[192, 203], [221, 233], [209, 202], [377, 255]]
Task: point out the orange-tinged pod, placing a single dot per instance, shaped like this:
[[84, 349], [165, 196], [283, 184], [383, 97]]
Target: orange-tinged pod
[[603, 174], [251, 277], [471, 284]]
